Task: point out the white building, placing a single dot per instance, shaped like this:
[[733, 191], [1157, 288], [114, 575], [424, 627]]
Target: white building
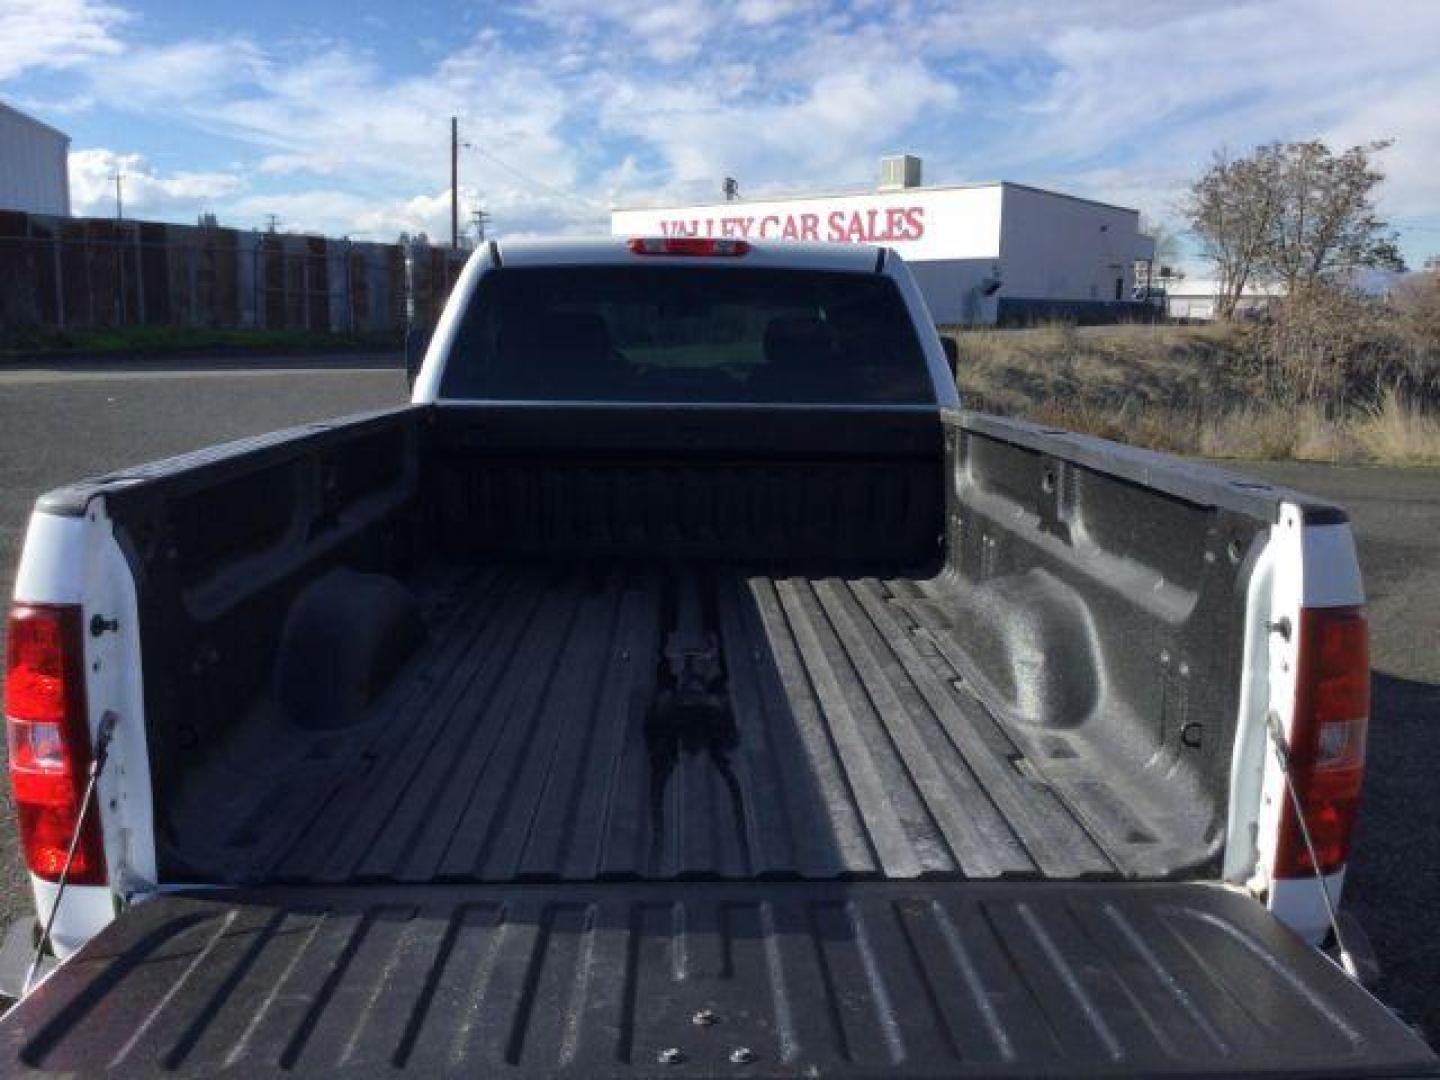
[[1199, 300], [34, 165], [981, 252]]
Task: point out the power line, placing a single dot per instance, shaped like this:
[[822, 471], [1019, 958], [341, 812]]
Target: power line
[[519, 174], [455, 146]]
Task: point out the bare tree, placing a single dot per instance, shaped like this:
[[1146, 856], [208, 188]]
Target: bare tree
[[1327, 220], [1166, 241], [1294, 213], [1415, 303], [1232, 209]]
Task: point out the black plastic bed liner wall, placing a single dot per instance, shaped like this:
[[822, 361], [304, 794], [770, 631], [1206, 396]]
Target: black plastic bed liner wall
[[899, 980], [618, 722]]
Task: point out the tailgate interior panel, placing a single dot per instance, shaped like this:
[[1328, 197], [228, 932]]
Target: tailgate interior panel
[[685, 979]]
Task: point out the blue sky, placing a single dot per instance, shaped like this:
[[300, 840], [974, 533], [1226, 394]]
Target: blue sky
[[334, 115]]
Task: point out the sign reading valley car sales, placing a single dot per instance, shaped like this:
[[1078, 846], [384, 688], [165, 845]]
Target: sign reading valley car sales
[[923, 223], [836, 227]]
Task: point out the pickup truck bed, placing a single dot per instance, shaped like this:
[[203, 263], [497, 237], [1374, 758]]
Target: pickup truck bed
[[799, 979], [736, 706], [540, 735]]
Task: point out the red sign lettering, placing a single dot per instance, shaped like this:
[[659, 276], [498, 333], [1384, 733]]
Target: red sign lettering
[[873, 226]]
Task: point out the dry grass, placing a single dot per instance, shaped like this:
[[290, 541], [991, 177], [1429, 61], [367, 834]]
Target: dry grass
[[1108, 367], [1398, 431], [1392, 432], [1154, 426], [1181, 389], [1252, 431]]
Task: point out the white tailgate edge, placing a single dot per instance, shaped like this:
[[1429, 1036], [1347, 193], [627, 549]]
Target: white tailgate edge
[[76, 560], [1303, 566]]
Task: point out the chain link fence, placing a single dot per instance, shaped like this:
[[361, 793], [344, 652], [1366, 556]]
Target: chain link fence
[[93, 273]]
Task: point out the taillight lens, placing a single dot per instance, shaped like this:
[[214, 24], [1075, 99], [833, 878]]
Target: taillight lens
[[48, 740], [1327, 739], [687, 245]]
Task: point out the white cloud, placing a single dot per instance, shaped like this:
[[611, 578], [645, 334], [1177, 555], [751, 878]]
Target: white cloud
[[148, 192], [765, 12], [319, 210], [338, 212], [668, 32], [182, 77], [806, 121], [1412, 165], [56, 34], [337, 115], [1161, 90], [634, 101]]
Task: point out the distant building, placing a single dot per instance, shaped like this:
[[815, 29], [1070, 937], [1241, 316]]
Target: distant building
[[1199, 300], [34, 165], [981, 253]]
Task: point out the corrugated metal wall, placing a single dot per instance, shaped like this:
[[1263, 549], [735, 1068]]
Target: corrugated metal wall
[[92, 272]]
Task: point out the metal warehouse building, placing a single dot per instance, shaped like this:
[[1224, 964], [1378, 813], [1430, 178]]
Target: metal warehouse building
[[982, 253], [34, 165]]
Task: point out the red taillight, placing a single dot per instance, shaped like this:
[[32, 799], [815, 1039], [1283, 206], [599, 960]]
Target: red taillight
[[687, 245], [49, 741], [1327, 739]]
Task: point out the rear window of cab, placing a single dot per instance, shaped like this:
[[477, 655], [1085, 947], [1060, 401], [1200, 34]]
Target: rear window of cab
[[686, 334]]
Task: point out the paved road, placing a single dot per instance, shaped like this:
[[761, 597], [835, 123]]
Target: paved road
[[59, 427]]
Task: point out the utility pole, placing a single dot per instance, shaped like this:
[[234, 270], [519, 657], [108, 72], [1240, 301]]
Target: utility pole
[[480, 218], [118, 177], [454, 183]]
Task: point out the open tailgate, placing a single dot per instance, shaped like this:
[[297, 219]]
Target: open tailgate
[[765, 979]]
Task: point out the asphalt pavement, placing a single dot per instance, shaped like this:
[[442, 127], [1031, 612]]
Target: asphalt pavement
[[61, 425]]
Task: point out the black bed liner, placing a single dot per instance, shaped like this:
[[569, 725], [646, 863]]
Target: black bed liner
[[523, 744], [764, 979]]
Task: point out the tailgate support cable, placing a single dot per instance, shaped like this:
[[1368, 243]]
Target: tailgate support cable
[[1282, 754], [97, 763]]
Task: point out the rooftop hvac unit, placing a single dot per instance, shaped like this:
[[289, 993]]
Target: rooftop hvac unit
[[899, 172]]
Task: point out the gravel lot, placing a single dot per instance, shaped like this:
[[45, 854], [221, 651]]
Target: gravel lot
[[56, 427]]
